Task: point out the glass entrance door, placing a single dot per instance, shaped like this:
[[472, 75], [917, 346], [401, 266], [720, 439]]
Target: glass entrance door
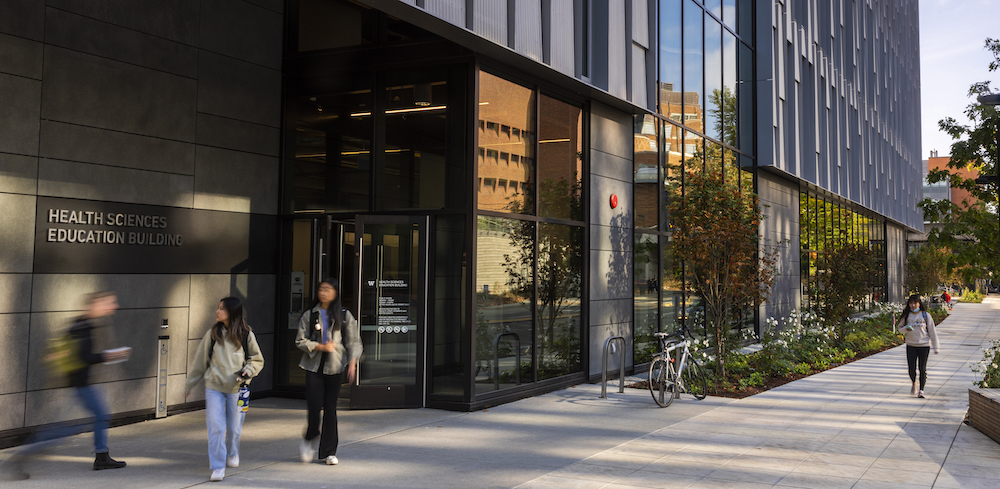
[[391, 303]]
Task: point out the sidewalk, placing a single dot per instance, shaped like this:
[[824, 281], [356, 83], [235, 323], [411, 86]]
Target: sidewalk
[[852, 426]]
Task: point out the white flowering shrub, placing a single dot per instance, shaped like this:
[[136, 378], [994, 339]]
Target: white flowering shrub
[[988, 369]]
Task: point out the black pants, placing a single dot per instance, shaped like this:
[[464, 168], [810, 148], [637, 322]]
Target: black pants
[[915, 354], [321, 393]]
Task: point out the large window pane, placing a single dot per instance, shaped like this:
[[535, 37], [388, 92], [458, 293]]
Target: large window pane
[[694, 154], [332, 144], [729, 12], [560, 159], [671, 289], [506, 153], [714, 6], [713, 78], [560, 273], [673, 151], [713, 157], [671, 102], [729, 87], [505, 263], [745, 98], [645, 172], [416, 127], [694, 101], [448, 373], [646, 296]]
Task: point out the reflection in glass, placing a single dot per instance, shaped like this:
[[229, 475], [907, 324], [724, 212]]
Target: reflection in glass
[[560, 159], [713, 157], [448, 373], [560, 273], [673, 149], [505, 264], [671, 103], [332, 145], [729, 87], [714, 6], [713, 78], [645, 172], [672, 288], [694, 155], [645, 296], [745, 97], [415, 147], [693, 100], [505, 156], [729, 12]]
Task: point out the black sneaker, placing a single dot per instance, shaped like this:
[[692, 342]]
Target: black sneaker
[[104, 461]]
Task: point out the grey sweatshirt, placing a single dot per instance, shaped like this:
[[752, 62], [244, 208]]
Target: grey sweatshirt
[[922, 333]]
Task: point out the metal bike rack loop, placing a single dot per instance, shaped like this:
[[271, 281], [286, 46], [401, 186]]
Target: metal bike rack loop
[[621, 367], [496, 359]]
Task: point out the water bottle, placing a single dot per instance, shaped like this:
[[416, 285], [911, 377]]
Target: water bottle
[[243, 399]]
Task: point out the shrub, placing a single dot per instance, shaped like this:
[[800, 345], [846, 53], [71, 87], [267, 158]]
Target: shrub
[[755, 379], [989, 367], [972, 296], [802, 368]]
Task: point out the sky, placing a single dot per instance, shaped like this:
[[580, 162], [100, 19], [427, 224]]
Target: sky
[[952, 57]]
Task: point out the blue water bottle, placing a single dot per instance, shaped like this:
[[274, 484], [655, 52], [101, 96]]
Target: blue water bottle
[[243, 398]]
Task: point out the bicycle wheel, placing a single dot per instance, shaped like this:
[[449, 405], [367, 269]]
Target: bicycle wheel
[[661, 381], [695, 381]]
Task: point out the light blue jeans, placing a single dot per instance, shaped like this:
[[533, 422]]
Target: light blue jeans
[[225, 423]]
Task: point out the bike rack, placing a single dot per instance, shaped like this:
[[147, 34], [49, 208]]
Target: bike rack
[[496, 359], [621, 367]]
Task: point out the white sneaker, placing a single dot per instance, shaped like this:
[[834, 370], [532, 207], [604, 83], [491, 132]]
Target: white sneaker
[[233, 461], [332, 460], [217, 475], [306, 451]]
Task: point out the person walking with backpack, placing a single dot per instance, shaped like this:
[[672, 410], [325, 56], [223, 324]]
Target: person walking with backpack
[[920, 336], [330, 338], [227, 357]]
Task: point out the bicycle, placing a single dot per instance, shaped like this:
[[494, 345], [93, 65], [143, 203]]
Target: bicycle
[[688, 376]]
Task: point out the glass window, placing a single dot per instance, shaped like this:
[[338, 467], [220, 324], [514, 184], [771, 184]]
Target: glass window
[[694, 155], [560, 159], [506, 144], [713, 157], [714, 6], [505, 263], [673, 149], [729, 12], [745, 98], [713, 79], [448, 373], [744, 25], [646, 172], [646, 296], [415, 154], [332, 145], [670, 96], [693, 58], [560, 274], [671, 289], [728, 99]]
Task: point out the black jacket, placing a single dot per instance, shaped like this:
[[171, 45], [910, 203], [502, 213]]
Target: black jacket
[[81, 331]]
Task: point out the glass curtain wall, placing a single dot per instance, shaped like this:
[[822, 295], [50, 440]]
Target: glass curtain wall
[[704, 122], [828, 224], [529, 238]]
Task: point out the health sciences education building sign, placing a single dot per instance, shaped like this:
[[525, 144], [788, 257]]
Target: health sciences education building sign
[[81, 236]]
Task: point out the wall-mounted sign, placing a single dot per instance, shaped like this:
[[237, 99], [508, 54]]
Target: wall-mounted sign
[[82, 236]]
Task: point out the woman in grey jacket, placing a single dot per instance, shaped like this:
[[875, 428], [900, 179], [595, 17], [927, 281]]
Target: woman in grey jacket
[[920, 336], [330, 338]]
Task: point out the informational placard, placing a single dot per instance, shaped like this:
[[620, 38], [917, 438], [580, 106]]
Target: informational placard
[[393, 307], [83, 236]]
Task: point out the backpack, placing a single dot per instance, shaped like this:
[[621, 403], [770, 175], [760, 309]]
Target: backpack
[[246, 351], [62, 355]]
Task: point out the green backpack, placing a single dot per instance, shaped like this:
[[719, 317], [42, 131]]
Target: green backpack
[[62, 356]]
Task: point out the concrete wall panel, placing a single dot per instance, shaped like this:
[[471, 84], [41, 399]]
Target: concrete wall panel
[[611, 238], [12, 411], [601, 212], [21, 57], [17, 233], [599, 334], [59, 178], [88, 90], [55, 292], [99, 38], [610, 275], [18, 174], [13, 355], [55, 405], [242, 30], [614, 167], [15, 292], [19, 109], [24, 18], [610, 131], [72, 142], [234, 181], [176, 20], [238, 90], [221, 132], [256, 292]]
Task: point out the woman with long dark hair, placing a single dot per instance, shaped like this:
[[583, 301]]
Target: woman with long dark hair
[[919, 334], [330, 339], [227, 357]]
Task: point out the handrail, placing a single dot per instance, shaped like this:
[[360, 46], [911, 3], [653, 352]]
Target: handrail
[[496, 359], [621, 367]]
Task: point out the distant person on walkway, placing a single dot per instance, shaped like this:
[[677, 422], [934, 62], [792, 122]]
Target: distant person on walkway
[[98, 305], [227, 356], [330, 338], [946, 298], [917, 327]]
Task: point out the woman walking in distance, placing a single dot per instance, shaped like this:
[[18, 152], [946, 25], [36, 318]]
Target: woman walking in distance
[[227, 356], [330, 338], [918, 330]]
